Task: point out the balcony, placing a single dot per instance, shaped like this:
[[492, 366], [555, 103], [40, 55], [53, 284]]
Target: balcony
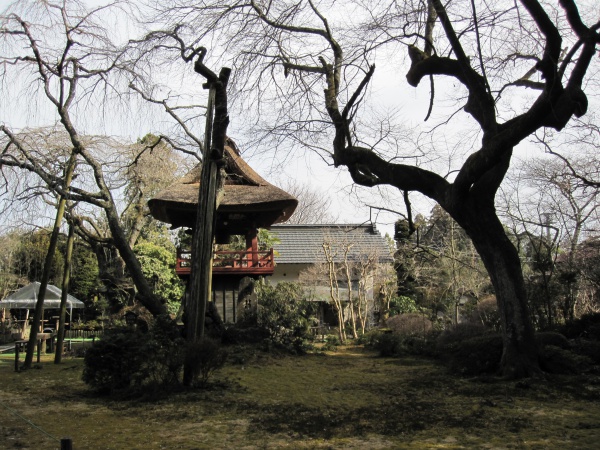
[[245, 263]]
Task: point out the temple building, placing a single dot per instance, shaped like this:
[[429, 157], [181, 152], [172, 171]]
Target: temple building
[[248, 203]]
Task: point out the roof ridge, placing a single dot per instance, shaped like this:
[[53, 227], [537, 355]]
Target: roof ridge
[[323, 225]]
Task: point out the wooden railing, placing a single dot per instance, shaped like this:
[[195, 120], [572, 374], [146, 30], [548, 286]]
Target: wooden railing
[[236, 262]]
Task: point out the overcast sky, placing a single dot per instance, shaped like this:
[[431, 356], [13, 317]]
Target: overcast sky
[[389, 94]]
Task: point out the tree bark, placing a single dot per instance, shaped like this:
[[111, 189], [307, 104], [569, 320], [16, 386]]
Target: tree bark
[[501, 259]]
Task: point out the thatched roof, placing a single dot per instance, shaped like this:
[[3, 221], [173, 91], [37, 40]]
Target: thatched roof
[[248, 201]]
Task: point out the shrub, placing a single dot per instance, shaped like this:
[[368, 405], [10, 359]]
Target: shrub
[[470, 349], [391, 344], [557, 360], [419, 345], [474, 356], [166, 351], [116, 361], [285, 315], [412, 324], [587, 326], [589, 349], [126, 358], [388, 344], [367, 338], [402, 305], [546, 338], [404, 334], [452, 337], [332, 341], [244, 334], [204, 358]]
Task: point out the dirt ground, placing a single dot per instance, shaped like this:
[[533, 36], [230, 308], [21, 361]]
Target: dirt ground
[[350, 399]]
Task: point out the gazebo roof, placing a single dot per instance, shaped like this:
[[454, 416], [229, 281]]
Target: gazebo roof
[[26, 298], [248, 200]]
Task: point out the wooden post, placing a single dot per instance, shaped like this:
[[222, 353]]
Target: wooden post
[[17, 350], [252, 247], [39, 349], [66, 444], [202, 243]]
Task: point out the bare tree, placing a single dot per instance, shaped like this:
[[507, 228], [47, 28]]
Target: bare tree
[[557, 211], [386, 282], [447, 267], [333, 283], [313, 206], [345, 274], [330, 66], [366, 268]]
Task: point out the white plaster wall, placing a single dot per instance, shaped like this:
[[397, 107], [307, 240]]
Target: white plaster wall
[[287, 272]]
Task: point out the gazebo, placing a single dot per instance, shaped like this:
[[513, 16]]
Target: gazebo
[[26, 298], [248, 202]]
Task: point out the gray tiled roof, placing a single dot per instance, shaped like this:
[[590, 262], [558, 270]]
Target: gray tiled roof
[[303, 244]]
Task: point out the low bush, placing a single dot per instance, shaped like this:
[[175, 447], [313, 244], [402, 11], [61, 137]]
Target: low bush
[[546, 338], [470, 349], [452, 337], [116, 362], [558, 360], [402, 305], [474, 356], [392, 344], [587, 326], [473, 351], [204, 358], [411, 324], [589, 349], [420, 345], [486, 313], [165, 349], [368, 337], [388, 344], [332, 342], [285, 316], [128, 358], [244, 334]]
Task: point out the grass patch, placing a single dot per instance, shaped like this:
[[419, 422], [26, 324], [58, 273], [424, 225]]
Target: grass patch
[[348, 399]]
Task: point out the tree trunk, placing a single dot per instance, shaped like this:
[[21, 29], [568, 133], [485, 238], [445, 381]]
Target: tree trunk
[[60, 336], [39, 305], [501, 259], [349, 283], [146, 294]]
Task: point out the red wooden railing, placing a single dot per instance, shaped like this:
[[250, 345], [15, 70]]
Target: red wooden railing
[[237, 262]]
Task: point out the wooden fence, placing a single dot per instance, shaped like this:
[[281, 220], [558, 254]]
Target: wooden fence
[[83, 334]]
